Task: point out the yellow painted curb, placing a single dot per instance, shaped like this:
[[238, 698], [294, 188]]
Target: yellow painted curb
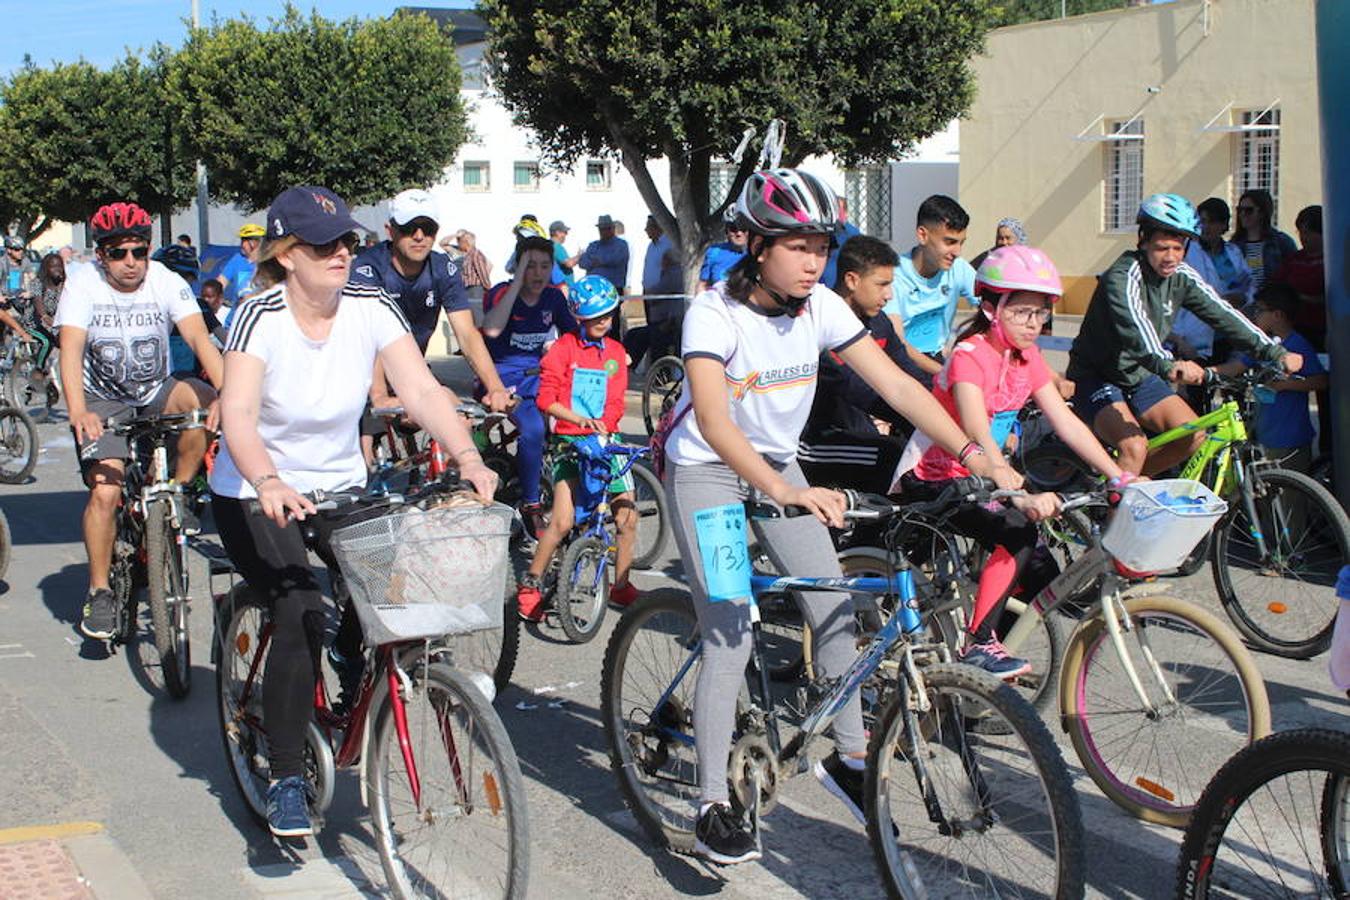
[[48, 832]]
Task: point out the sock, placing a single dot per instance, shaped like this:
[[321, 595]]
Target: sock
[[995, 580]]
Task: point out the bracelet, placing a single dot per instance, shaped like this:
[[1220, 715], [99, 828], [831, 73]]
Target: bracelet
[[262, 479], [1121, 480], [970, 449]]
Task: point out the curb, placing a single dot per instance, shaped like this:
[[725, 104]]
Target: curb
[[101, 866]]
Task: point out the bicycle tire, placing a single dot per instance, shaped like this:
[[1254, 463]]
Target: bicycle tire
[[6, 544], [582, 591], [1211, 867], [649, 497], [1322, 538], [19, 445], [655, 634], [1334, 827], [168, 585], [493, 651], [961, 694], [240, 617], [1147, 793], [445, 713], [665, 378]]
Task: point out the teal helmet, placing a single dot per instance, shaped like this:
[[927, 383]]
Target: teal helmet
[[591, 298], [1170, 212]]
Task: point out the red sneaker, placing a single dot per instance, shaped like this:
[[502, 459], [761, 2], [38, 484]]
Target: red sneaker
[[623, 595], [531, 603]]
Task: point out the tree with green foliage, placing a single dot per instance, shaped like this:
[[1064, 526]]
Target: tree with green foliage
[[863, 80], [74, 137], [366, 108]]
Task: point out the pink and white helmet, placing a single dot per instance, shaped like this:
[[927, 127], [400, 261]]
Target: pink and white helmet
[[1018, 267]]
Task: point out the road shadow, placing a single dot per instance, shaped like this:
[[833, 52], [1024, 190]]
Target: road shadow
[[44, 517]]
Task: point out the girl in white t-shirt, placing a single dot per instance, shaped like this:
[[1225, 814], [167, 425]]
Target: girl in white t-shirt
[[751, 346], [298, 369]]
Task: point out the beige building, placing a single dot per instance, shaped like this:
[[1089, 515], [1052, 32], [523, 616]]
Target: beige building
[[1077, 119]]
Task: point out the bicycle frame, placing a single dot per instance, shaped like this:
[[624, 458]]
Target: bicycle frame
[[1224, 427]]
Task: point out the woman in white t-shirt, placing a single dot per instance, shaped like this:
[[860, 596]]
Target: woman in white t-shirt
[[298, 369], [751, 346]]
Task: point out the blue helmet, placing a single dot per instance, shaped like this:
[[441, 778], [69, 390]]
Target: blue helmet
[[179, 259], [1170, 212], [591, 298]]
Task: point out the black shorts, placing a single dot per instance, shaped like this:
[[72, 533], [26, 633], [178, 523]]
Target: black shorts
[[114, 446]]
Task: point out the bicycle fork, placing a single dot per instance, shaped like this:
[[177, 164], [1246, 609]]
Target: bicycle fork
[[1110, 601]]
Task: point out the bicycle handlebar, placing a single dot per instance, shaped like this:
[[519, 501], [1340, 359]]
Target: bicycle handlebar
[[162, 424]]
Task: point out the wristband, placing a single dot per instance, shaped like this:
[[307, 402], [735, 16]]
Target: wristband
[[262, 479], [970, 449], [1121, 480]]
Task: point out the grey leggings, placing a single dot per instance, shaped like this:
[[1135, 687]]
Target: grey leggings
[[798, 546]]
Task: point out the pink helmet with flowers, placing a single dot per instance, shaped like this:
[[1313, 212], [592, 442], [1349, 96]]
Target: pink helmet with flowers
[[1018, 267]]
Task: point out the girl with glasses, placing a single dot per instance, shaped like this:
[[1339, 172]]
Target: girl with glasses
[[1263, 245]]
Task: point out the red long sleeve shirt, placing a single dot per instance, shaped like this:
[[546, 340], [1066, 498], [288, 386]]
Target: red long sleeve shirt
[[570, 353]]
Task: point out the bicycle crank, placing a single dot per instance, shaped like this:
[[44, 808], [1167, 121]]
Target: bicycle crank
[[753, 762]]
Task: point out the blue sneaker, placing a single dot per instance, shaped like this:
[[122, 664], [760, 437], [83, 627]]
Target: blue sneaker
[[288, 808], [993, 657]]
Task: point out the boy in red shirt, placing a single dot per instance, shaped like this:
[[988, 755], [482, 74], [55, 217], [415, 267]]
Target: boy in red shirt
[[582, 380]]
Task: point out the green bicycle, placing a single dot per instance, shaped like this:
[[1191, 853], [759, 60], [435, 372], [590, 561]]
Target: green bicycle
[[1276, 554]]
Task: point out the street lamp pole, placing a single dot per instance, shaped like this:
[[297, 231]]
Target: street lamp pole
[[203, 213]]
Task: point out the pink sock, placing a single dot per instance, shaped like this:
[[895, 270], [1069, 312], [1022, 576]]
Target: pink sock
[[995, 580]]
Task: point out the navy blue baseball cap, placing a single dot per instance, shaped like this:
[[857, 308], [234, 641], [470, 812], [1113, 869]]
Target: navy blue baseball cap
[[315, 215]]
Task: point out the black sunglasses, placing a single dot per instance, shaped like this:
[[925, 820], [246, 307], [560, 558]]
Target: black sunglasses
[[348, 240], [121, 252], [424, 225]]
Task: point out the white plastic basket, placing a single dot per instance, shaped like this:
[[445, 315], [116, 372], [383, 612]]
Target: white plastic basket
[[1158, 523], [426, 573]]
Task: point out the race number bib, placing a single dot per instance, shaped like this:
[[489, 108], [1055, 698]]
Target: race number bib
[[925, 332], [589, 387], [1002, 425], [722, 545]]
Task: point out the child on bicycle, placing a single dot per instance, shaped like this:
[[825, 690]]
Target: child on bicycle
[[751, 348], [582, 380], [992, 372]]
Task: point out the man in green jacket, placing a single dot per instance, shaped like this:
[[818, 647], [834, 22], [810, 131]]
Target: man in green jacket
[[1124, 375]]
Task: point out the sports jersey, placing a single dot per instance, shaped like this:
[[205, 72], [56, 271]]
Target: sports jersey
[[604, 365], [438, 286], [312, 391], [928, 305], [126, 349], [1007, 382], [771, 363], [529, 327], [237, 274]]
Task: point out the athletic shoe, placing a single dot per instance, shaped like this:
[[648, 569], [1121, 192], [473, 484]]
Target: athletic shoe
[[721, 836], [288, 808], [187, 518], [623, 595], [845, 783], [530, 601], [100, 615], [992, 657]]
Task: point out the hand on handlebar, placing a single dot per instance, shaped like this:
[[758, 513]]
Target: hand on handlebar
[[826, 505], [280, 502], [483, 479], [213, 416], [1292, 362], [596, 425], [1038, 506], [88, 427], [500, 400], [1186, 372]]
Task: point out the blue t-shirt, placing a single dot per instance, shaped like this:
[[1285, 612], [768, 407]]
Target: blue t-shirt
[[1286, 423], [438, 286], [847, 231], [521, 343], [238, 275], [561, 275], [718, 259], [928, 305]]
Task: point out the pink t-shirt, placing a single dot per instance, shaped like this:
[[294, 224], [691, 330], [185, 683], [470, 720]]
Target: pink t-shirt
[[1007, 381]]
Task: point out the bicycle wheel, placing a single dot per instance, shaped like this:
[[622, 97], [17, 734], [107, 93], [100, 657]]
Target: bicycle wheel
[[448, 808], [6, 544], [647, 704], [240, 656], [18, 445], [582, 592], [665, 380], [1283, 601], [168, 599], [494, 650], [1256, 834], [1052, 466], [653, 524], [1008, 818], [1154, 765]]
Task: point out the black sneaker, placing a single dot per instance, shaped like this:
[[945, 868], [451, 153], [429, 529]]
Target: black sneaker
[[722, 837], [843, 782], [100, 615]]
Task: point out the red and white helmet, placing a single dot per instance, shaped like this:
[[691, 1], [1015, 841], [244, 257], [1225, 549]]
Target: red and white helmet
[[1018, 267], [787, 201], [120, 220]]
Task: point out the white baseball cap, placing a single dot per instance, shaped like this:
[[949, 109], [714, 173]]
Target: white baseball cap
[[413, 204]]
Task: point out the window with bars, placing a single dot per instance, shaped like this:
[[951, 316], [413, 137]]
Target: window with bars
[[598, 175], [525, 176], [1123, 186], [868, 193], [477, 176], [1256, 163]]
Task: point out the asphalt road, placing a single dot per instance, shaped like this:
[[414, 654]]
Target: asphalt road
[[87, 736]]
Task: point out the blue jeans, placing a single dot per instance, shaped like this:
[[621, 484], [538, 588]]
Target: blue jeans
[[523, 380]]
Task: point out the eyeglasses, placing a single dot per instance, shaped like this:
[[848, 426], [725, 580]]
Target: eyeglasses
[[426, 226], [1024, 315], [349, 241], [121, 252]]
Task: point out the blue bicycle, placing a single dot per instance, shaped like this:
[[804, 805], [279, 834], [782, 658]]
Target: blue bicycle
[[952, 809], [580, 589]]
